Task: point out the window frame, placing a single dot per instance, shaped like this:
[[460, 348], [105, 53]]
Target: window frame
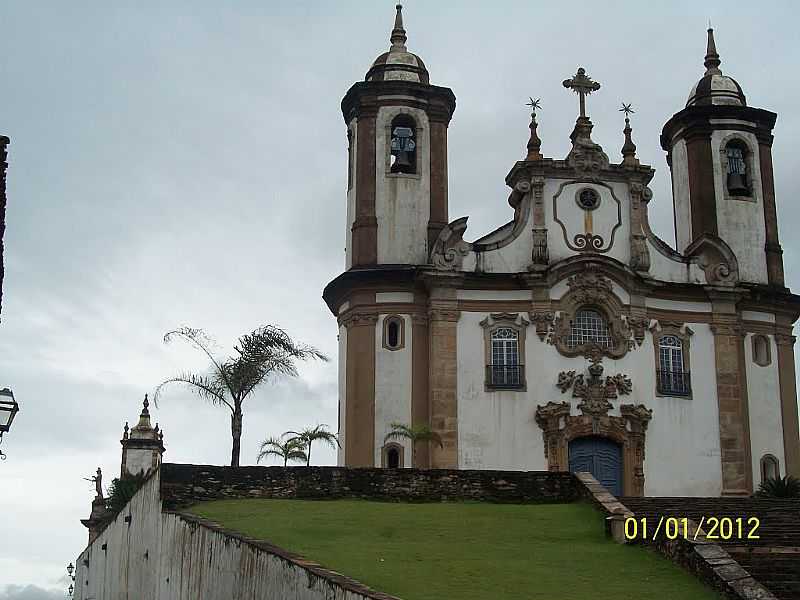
[[769, 458], [406, 120], [491, 324], [745, 146], [760, 337], [401, 333], [401, 455], [683, 334]]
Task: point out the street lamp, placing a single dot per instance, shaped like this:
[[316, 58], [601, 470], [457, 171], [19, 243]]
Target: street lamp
[[70, 571], [8, 410]]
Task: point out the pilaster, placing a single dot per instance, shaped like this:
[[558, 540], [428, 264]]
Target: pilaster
[[788, 396], [734, 420], [360, 389], [442, 375]]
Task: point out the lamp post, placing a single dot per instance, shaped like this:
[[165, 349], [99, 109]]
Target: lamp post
[[8, 410], [70, 571]]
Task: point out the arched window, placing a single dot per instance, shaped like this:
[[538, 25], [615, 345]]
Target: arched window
[[394, 332], [769, 468], [349, 158], [761, 350], [403, 145], [588, 326], [738, 180], [505, 369], [673, 378], [392, 456]]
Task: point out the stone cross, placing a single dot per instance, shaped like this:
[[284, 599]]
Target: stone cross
[[582, 85]]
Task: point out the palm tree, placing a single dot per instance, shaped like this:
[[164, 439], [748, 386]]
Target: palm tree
[[414, 433], [775, 487], [310, 435], [265, 351], [282, 447]]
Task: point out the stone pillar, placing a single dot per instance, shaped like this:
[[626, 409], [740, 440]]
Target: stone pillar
[[438, 198], [442, 376], [365, 226], [420, 408], [788, 391], [97, 519], [772, 246], [359, 450], [734, 420]]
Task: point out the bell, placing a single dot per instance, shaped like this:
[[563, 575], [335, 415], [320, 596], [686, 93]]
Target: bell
[[401, 163], [737, 186]]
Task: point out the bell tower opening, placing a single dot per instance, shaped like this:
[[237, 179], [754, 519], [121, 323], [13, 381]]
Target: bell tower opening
[[403, 145]]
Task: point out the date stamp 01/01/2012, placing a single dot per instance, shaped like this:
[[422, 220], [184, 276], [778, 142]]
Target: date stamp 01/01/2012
[[712, 528]]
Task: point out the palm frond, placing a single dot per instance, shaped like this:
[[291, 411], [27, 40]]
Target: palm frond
[[205, 387], [786, 487], [414, 433], [202, 341]]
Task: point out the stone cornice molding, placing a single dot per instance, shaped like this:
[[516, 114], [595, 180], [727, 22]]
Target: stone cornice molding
[[358, 318]]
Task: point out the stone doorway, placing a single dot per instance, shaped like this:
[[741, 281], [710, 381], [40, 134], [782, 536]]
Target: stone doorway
[[599, 456]]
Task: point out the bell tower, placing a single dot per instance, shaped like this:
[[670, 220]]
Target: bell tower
[[397, 159], [720, 154]]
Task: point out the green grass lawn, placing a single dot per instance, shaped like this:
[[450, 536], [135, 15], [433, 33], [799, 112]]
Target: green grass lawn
[[464, 551]]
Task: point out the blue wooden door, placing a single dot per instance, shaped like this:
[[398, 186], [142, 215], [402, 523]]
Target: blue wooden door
[[599, 456]]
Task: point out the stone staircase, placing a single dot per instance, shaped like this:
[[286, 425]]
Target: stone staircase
[[773, 558]]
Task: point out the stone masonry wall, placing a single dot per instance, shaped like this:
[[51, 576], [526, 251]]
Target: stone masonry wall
[[184, 485]]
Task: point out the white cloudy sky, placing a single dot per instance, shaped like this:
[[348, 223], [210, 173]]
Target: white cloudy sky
[[185, 163]]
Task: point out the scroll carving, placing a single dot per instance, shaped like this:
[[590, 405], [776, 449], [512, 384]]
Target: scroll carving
[[450, 248]]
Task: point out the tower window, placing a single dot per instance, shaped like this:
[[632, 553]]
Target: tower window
[[769, 468], [588, 326], [761, 350], [393, 332], [738, 184], [403, 145]]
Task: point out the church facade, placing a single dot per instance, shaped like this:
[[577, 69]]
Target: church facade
[[572, 337]]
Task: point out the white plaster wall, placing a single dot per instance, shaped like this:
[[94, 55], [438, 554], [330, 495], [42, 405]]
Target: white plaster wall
[[603, 219], [680, 195], [164, 557], [663, 268], [754, 315], [497, 430], [351, 198], [494, 294], [679, 305], [392, 388], [763, 398], [342, 394], [394, 297], [402, 202], [139, 460], [741, 222]]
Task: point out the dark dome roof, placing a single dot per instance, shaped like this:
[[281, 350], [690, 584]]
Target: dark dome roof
[[398, 63], [714, 87]]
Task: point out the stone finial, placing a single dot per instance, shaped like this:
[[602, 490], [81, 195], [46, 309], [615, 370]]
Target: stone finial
[[398, 37], [125, 431], [712, 60], [534, 143], [628, 148]]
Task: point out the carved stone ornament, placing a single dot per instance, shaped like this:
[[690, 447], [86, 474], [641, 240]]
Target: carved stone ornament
[[595, 391], [640, 255], [450, 248], [540, 254], [355, 319], [543, 321], [638, 326], [716, 259], [628, 430], [587, 241], [590, 289]]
